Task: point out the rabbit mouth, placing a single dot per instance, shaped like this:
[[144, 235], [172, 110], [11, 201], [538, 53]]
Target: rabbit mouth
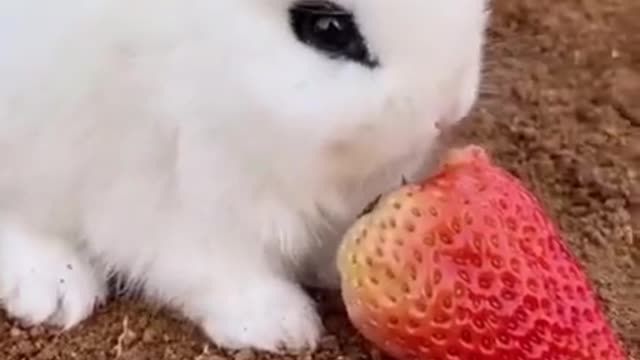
[[373, 203], [444, 124]]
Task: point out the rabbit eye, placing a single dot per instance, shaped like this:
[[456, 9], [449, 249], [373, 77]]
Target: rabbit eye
[[331, 30]]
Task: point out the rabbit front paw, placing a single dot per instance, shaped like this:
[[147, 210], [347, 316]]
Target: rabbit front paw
[[43, 281], [269, 315]]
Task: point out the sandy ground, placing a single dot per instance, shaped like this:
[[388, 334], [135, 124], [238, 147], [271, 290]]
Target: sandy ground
[[560, 108]]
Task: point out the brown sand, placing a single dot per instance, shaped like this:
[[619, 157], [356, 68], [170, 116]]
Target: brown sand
[[560, 108]]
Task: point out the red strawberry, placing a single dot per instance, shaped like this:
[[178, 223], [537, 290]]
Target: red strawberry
[[466, 265]]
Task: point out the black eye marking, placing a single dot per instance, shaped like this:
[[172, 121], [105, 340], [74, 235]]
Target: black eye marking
[[330, 29]]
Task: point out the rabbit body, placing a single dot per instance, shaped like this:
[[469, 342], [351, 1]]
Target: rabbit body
[[201, 151]]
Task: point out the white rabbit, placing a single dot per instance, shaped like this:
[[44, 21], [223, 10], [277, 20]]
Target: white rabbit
[[211, 152]]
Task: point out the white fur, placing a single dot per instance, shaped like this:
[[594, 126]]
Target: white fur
[[196, 148]]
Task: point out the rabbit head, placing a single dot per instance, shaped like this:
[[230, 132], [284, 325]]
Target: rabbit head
[[331, 91], [342, 87]]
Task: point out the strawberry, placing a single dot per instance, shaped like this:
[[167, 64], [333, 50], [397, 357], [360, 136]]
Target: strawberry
[[466, 265]]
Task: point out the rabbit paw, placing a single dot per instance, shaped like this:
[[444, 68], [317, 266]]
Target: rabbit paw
[[268, 315], [43, 281]]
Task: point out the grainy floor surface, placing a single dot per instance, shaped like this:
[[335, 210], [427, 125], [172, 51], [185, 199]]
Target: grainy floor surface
[[560, 108]]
